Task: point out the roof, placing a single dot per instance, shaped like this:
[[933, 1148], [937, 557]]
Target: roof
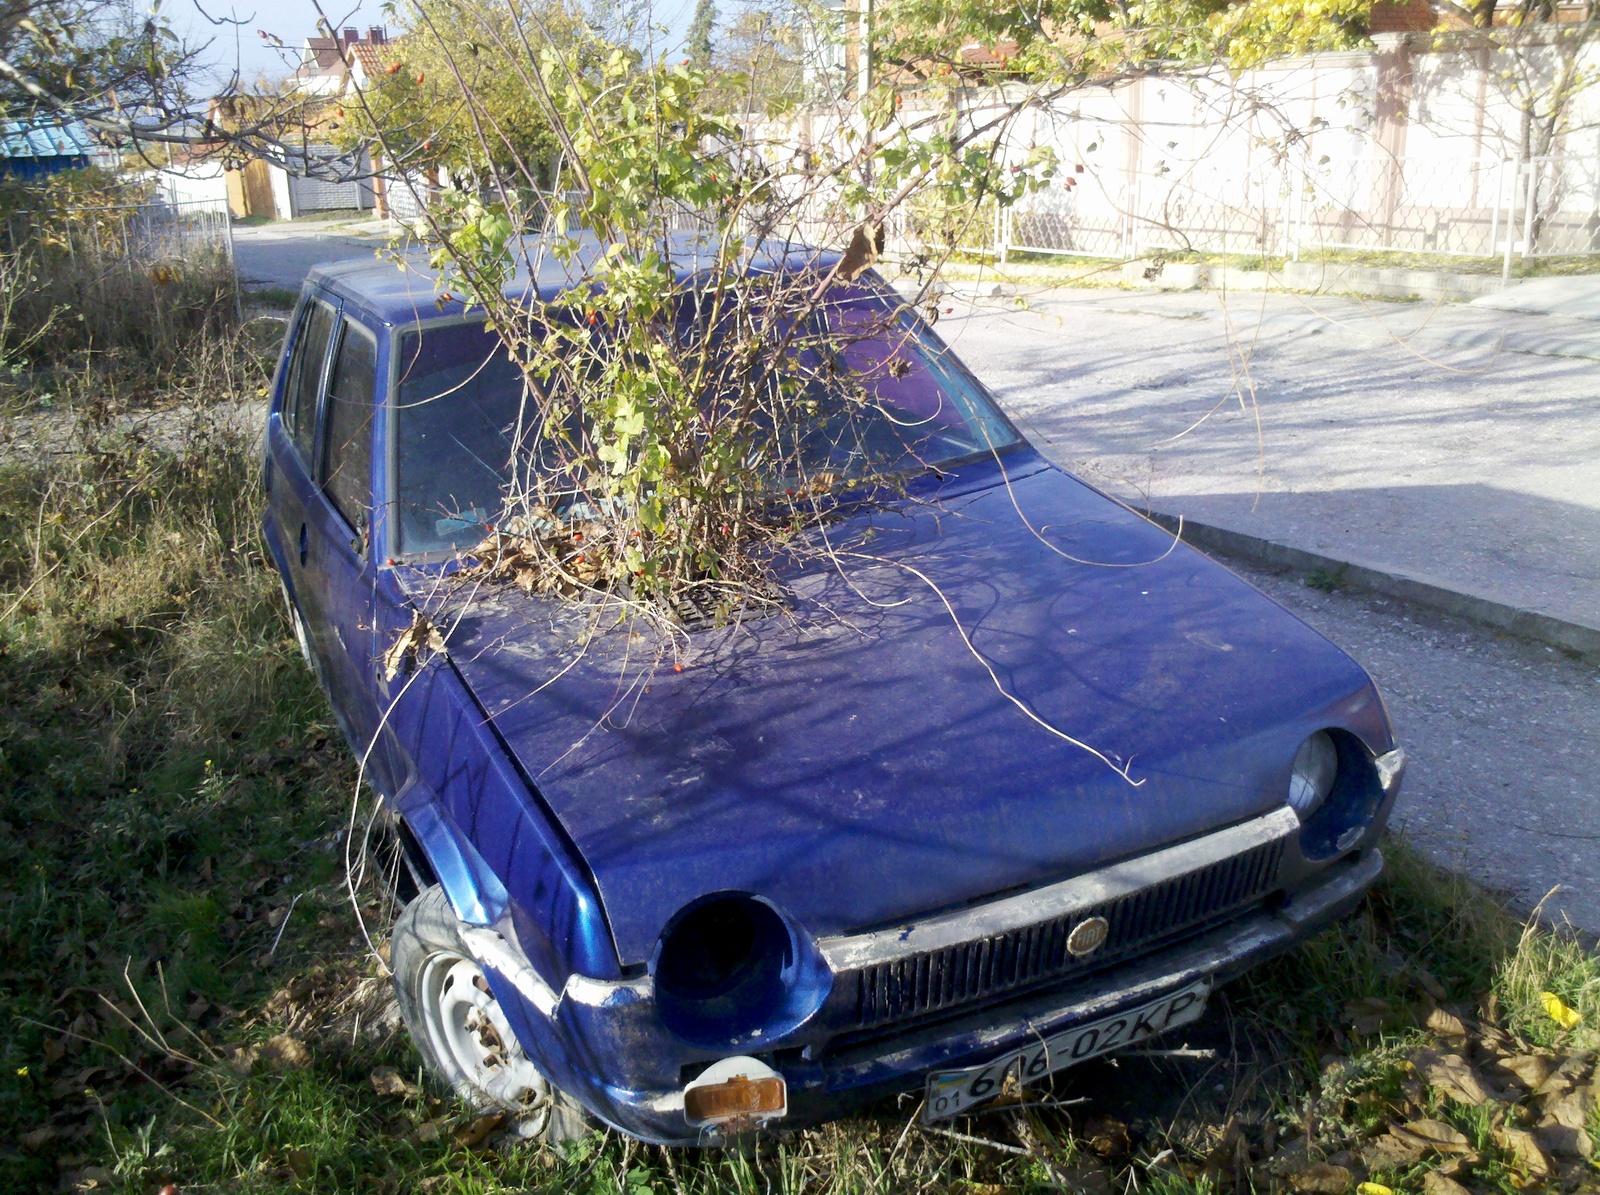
[[44, 139], [370, 56], [409, 295], [322, 55]]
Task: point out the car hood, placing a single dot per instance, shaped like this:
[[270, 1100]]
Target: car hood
[[860, 759]]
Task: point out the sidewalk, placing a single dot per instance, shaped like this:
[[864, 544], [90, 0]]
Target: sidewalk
[[1447, 454]]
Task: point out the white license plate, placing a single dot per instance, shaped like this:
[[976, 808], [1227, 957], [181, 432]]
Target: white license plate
[[952, 1092]]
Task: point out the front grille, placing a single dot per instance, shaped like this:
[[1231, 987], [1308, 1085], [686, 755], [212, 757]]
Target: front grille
[[997, 965]]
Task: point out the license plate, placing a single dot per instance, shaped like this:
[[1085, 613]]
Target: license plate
[[952, 1092]]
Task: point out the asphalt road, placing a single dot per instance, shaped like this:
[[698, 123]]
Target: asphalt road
[[1452, 443], [1461, 442], [282, 253]]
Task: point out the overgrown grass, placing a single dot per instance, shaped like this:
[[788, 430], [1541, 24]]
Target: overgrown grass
[[170, 836]]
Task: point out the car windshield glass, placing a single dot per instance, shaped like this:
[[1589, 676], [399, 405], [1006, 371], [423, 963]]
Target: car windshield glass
[[887, 398]]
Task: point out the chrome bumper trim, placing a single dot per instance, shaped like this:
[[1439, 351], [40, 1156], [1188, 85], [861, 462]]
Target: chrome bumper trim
[[1011, 913]]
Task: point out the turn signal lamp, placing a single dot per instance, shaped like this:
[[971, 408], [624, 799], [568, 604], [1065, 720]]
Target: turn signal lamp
[[736, 1093]]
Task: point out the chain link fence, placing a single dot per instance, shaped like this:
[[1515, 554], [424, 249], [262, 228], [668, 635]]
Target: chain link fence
[[136, 234]]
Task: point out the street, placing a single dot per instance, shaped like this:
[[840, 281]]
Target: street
[[1459, 443]]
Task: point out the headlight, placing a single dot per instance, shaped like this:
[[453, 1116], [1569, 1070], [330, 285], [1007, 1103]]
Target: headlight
[[1316, 765], [1336, 790], [730, 968]]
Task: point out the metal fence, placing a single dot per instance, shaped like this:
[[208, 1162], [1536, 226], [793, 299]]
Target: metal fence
[[1545, 207], [139, 234]]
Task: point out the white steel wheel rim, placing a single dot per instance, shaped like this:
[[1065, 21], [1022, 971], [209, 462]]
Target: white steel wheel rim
[[469, 1033]]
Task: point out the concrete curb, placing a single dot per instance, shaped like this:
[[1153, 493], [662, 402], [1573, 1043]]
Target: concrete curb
[[1511, 620]]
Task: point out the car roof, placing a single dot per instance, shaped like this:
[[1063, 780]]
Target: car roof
[[406, 291]]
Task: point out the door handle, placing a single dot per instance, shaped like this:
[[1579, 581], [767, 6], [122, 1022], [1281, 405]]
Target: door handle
[[305, 545]]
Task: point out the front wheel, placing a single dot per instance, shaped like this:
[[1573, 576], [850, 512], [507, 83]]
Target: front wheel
[[461, 1030]]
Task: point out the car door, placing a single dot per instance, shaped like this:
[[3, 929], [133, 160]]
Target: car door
[[291, 447], [339, 525]]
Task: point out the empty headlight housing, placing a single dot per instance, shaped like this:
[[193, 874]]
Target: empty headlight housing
[[1335, 790], [731, 969]]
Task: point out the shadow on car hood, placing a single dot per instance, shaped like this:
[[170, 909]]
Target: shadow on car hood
[[852, 760]]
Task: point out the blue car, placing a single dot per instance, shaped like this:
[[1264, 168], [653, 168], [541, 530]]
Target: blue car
[[845, 851]]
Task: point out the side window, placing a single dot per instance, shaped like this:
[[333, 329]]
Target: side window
[[347, 442], [305, 374]]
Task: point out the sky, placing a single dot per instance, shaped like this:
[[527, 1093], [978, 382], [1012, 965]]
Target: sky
[[238, 41]]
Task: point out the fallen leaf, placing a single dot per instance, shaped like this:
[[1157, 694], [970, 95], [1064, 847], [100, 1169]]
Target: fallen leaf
[[474, 1133], [284, 1053], [1450, 1076], [1520, 1144], [1445, 1024], [36, 1139], [1559, 1011], [407, 647], [301, 1162], [1374, 1189], [1564, 1078], [1368, 1015], [1107, 1136], [1434, 1183], [1570, 1110], [1460, 1165], [1563, 1140], [388, 1081], [1531, 1069], [1391, 1152], [1434, 1134], [428, 1131], [241, 1058], [1322, 1178]]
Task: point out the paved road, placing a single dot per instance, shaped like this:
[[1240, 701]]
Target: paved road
[[281, 254], [1461, 442], [1458, 444]]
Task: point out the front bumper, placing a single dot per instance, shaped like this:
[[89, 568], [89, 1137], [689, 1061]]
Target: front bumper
[[599, 1041]]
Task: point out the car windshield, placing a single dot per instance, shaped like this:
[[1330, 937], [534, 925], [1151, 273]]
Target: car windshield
[[889, 399]]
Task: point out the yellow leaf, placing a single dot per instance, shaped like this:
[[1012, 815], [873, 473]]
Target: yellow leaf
[[1374, 1189], [1560, 1011]]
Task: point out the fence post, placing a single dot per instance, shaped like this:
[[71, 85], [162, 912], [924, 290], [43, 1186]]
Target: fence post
[[1527, 212], [1511, 223], [1494, 210]]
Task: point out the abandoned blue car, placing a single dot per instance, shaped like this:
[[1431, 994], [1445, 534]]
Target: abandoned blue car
[[831, 858]]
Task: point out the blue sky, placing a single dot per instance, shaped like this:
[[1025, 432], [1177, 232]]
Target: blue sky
[[295, 20]]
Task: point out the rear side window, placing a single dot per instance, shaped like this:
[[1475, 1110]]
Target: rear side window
[[347, 442], [305, 374]]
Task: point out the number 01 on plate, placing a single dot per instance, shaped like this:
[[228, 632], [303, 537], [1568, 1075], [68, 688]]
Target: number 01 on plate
[[952, 1092]]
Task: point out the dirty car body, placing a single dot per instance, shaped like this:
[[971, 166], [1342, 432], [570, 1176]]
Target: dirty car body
[[835, 845]]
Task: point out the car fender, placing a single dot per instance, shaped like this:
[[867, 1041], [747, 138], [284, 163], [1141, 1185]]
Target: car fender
[[470, 884]]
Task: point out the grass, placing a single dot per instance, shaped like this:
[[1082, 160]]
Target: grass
[[1023, 266], [280, 298], [172, 801]]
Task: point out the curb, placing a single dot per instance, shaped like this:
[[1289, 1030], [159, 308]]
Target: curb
[[1501, 616]]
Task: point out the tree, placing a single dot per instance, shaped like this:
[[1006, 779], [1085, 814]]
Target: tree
[[99, 61], [450, 93], [758, 66], [701, 28]]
